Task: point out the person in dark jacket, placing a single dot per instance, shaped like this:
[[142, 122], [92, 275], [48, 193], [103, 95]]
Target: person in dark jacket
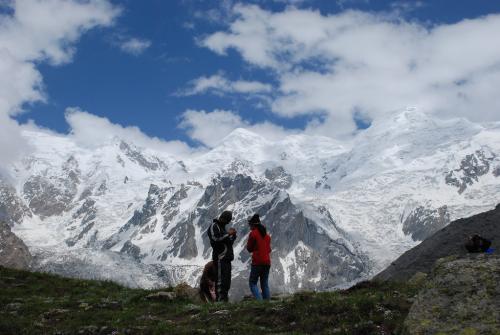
[[259, 244], [222, 253]]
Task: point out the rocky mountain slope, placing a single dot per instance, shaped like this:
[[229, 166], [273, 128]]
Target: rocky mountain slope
[[13, 252], [448, 241], [338, 211]]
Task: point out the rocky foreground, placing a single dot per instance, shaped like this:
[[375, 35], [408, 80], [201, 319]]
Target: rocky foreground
[[460, 297]]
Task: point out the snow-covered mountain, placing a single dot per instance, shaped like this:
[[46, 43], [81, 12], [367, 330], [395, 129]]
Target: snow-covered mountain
[[337, 211]]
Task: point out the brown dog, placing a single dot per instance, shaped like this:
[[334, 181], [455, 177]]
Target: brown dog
[[207, 283]]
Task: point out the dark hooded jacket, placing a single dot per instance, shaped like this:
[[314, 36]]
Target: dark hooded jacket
[[221, 242]]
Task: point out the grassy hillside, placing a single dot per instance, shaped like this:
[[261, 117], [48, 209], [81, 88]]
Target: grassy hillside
[[36, 303]]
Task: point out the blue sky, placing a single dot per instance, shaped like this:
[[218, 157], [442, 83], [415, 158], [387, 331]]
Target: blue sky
[[153, 88]]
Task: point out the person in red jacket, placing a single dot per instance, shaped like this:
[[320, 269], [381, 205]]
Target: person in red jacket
[[259, 244]]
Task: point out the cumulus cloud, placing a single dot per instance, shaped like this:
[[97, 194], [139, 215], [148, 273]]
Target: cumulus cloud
[[32, 32], [92, 131], [220, 85], [354, 62], [209, 128], [134, 46], [12, 144]]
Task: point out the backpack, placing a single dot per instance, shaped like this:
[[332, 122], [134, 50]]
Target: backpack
[[476, 243]]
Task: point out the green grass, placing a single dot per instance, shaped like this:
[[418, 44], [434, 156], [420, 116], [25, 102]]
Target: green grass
[[37, 303]]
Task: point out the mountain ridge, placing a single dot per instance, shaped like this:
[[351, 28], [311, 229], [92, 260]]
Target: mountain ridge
[[357, 205]]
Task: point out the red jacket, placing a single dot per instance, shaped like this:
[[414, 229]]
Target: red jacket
[[260, 247]]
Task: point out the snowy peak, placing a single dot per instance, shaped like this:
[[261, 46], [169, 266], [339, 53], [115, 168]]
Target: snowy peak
[[337, 211], [419, 128]]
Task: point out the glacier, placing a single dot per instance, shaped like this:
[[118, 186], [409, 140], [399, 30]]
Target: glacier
[[338, 211]]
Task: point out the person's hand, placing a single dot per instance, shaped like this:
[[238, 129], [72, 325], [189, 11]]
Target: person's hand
[[232, 231]]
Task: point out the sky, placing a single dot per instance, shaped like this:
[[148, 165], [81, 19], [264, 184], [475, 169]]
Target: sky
[[182, 74]]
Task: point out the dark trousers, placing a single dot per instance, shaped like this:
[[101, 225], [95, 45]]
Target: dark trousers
[[260, 272], [223, 283]]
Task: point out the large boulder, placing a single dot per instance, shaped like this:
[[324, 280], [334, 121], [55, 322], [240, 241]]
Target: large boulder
[[462, 296]]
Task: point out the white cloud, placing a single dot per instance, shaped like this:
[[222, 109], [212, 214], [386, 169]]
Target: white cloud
[[32, 32], [219, 13], [209, 128], [45, 30], [20, 82], [92, 131], [403, 7], [134, 46], [219, 84], [11, 144], [373, 63]]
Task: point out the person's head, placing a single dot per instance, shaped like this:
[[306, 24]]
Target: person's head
[[225, 217], [254, 222]]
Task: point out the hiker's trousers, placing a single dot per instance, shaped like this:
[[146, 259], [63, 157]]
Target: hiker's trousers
[[260, 272], [223, 283]]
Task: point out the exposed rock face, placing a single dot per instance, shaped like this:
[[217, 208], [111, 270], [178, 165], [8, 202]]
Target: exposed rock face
[[279, 177], [135, 155], [87, 216], [49, 195], [12, 208], [132, 250], [423, 222], [141, 218], [447, 241], [461, 297], [496, 171], [471, 168], [13, 252]]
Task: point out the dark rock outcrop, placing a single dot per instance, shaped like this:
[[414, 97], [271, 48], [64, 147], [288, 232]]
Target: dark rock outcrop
[[136, 156], [13, 252], [472, 167], [86, 214], [141, 218], [447, 241], [423, 222], [132, 250], [279, 177], [49, 195], [496, 171], [12, 208]]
